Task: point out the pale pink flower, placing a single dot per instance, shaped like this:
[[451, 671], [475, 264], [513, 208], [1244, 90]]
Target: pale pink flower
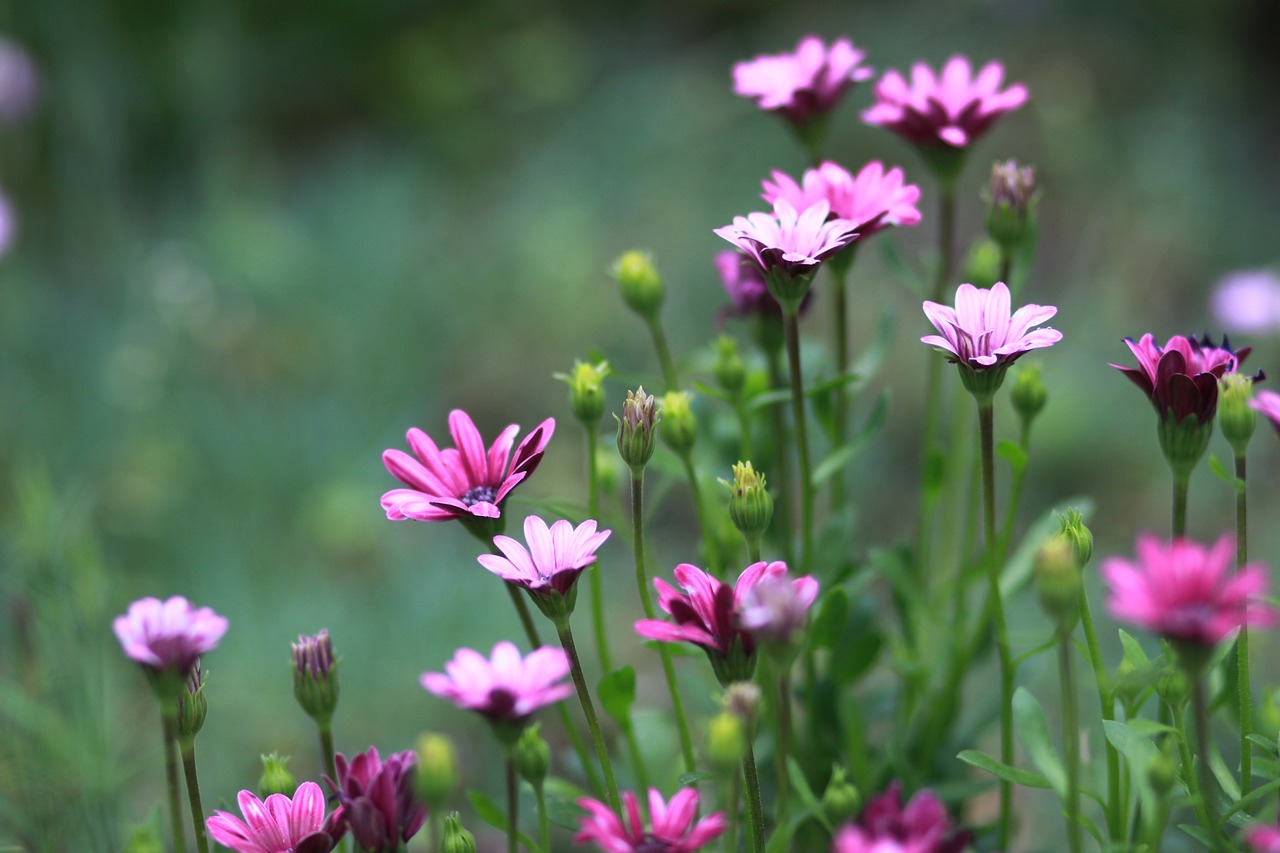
[[951, 109], [672, 829], [852, 839], [1186, 591], [280, 825], [380, 803], [1263, 838], [1248, 301], [981, 334], [506, 687], [805, 84], [168, 636], [1268, 403], [788, 242], [776, 608], [555, 557], [465, 481], [871, 200], [1181, 377]]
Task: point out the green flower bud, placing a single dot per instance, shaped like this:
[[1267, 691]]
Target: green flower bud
[[1011, 203], [642, 287], [533, 756], [679, 426], [637, 430], [726, 742], [1236, 418], [840, 800], [315, 676], [437, 769], [982, 266], [1059, 581], [192, 705], [1130, 681], [1081, 538], [586, 390], [750, 505], [1028, 393], [1172, 686], [455, 838], [276, 778], [730, 372], [1162, 773]]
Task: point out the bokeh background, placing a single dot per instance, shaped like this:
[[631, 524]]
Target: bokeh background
[[255, 242]]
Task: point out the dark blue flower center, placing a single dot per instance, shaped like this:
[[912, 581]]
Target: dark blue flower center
[[479, 494], [652, 845]]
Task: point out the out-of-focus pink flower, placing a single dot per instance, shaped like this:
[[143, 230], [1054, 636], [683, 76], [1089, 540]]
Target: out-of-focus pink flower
[[793, 244], [1181, 378], [672, 829], [951, 109], [981, 334], [1268, 403], [853, 839], [923, 826], [168, 636], [19, 82], [776, 608], [555, 557], [379, 800], [804, 84], [8, 224], [1248, 301], [871, 200], [1186, 591], [506, 688], [465, 481], [748, 291], [280, 825], [1263, 838]]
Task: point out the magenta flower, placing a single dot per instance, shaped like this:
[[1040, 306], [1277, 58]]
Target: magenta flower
[[1263, 838], [923, 826], [852, 839], [168, 636], [747, 289], [951, 109], [872, 200], [550, 567], [709, 614], [280, 825], [1186, 591], [776, 609], [805, 84], [379, 799], [1181, 378], [1268, 403], [505, 688], [670, 830], [466, 481]]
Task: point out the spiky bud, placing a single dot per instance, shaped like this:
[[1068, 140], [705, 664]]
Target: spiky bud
[[841, 800], [586, 390], [726, 742], [637, 429], [533, 756], [1011, 203], [750, 505], [1236, 418], [455, 837], [315, 676], [437, 769], [276, 778], [679, 425], [642, 287], [1073, 529]]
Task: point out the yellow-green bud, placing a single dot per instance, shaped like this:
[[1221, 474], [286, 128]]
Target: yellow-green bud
[[637, 429], [437, 769], [1011, 203], [642, 287], [533, 756], [730, 372], [586, 390], [840, 800], [1058, 580], [1028, 393], [1077, 534], [192, 705], [276, 778], [742, 699], [726, 742], [982, 266], [1162, 773], [1171, 686], [679, 426], [1236, 418], [455, 838], [750, 505], [1129, 681]]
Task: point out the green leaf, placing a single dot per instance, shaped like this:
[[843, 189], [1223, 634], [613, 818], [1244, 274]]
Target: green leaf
[[899, 268], [801, 787], [1220, 471], [1198, 833], [1014, 454], [828, 625], [617, 693], [707, 391], [1248, 800], [1052, 642], [783, 395], [564, 812], [1133, 651], [1149, 728], [1265, 742], [487, 810], [1025, 778], [688, 779], [1139, 752], [1033, 733]]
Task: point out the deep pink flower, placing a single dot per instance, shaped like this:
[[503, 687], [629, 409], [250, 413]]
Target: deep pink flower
[[280, 825], [1268, 403], [950, 109], [790, 243], [923, 826], [168, 636], [379, 799], [670, 825], [1186, 591], [776, 608], [1263, 838], [805, 84], [1181, 378], [872, 200], [463, 481], [853, 839], [507, 687], [555, 557], [980, 334], [709, 614]]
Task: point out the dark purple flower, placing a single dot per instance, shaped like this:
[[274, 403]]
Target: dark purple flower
[[1181, 378], [922, 826], [379, 799]]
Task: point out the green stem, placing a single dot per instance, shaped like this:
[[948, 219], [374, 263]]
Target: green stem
[[783, 745], [713, 552], [755, 813], [169, 729], [753, 549], [792, 328], [1180, 486], [596, 583], [669, 375], [589, 710], [1200, 709], [1006, 267], [1115, 805], [1070, 739], [326, 749], [785, 510], [744, 426], [513, 805], [435, 829], [840, 334], [642, 586], [1242, 641], [188, 747], [1189, 770], [731, 833], [544, 824]]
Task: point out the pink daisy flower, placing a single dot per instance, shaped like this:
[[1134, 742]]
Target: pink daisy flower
[[804, 84], [464, 481], [280, 825], [506, 687], [1263, 838], [1186, 591], [168, 636], [1268, 403], [556, 555], [379, 799], [1181, 378], [787, 243], [872, 200], [922, 826], [950, 109], [672, 828]]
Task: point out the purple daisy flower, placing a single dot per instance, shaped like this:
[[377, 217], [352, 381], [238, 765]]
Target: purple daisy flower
[[168, 636], [804, 84]]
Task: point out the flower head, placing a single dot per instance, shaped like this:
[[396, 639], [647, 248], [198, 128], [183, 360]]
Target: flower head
[[638, 429], [168, 636], [1268, 403], [872, 200], [776, 608], [550, 566], [379, 799], [804, 84], [921, 827], [672, 829], [506, 687], [1248, 301], [1263, 838], [464, 481], [279, 825], [1186, 591], [1181, 378], [951, 109]]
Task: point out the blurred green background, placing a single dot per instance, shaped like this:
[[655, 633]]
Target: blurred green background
[[257, 241]]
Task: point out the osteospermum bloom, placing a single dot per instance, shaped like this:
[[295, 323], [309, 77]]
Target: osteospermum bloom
[[1186, 591], [506, 687], [279, 825], [672, 829], [379, 799], [950, 109], [1181, 378], [168, 636], [922, 826], [1263, 838], [1268, 403], [709, 614], [747, 289], [804, 84], [873, 199], [465, 481], [550, 566]]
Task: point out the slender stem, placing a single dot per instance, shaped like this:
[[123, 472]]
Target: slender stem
[[840, 406], [669, 375], [755, 813], [596, 583], [744, 426], [1070, 739], [753, 549], [435, 829], [589, 710], [188, 747], [1106, 697], [1242, 641], [1180, 486], [544, 825], [792, 326], [1189, 770], [708, 539], [513, 805], [1200, 709], [642, 585], [1006, 267], [735, 793], [783, 745], [326, 749], [785, 511], [169, 729]]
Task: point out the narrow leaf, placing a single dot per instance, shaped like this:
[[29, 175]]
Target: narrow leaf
[[1014, 454], [1033, 733], [617, 692], [487, 810], [828, 625], [1025, 778], [1220, 471]]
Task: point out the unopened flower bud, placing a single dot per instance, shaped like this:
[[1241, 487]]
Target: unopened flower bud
[[315, 676], [642, 287], [455, 838], [637, 429], [726, 742], [840, 800], [1236, 418], [679, 426], [1162, 773], [276, 778], [1080, 537], [437, 769], [192, 705], [145, 838], [1171, 686], [750, 505], [533, 756], [1129, 681], [1058, 580], [730, 372], [586, 390], [982, 265], [1011, 203], [742, 699], [1028, 393]]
